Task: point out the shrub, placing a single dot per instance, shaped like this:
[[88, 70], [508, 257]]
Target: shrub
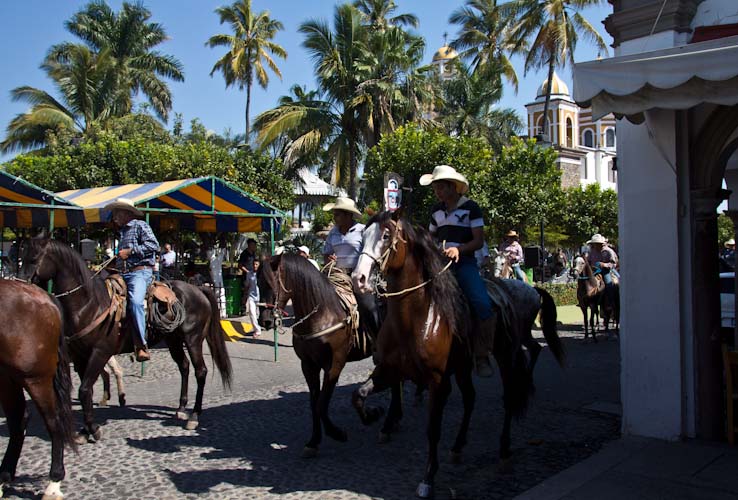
[[564, 294]]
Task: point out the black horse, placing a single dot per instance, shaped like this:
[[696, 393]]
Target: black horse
[[85, 298]]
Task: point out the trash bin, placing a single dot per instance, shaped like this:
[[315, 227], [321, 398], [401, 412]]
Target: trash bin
[[233, 296], [529, 273]]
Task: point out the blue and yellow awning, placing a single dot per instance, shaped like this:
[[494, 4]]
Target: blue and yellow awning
[[25, 205], [203, 204]]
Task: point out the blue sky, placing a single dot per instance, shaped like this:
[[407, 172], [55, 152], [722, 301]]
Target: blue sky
[[28, 28]]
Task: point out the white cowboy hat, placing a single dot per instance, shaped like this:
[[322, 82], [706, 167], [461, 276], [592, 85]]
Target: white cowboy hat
[[124, 204], [346, 204], [731, 241], [512, 234], [446, 173], [597, 238], [304, 249], [278, 251]]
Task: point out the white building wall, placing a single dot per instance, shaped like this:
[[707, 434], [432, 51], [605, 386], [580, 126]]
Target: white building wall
[[650, 346]]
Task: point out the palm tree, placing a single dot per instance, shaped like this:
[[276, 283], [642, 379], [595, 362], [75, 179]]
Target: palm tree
[[85, 82], [338, 121], [483, 36], [250, 47], [130, 38], [377, 12], [554, 26]]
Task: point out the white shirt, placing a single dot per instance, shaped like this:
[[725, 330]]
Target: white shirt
[[347, 247], [168, 258]]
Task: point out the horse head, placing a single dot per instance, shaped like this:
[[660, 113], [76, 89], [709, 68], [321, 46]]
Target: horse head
[[36, 266], [384, 245]]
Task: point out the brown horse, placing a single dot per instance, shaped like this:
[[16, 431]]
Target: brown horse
[[589, 295], [85, 298], [322, 339], [33, 357], [611, 305], [425, 335]]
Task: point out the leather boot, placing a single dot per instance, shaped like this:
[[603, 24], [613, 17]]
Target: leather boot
[[483, 346], [142, 354]]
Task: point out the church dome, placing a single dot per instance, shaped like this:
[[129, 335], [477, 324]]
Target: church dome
[[558, 87], [445, 53]]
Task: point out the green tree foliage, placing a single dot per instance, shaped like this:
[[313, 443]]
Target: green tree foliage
[[589, 210], [725, 229], [115, 156], [513, 190], [250, 49]]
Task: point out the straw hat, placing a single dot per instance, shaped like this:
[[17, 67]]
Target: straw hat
[[124, 204], [304, 249], [731, 241], [446, 173], [512, 234], [597, 238], [346, 204]]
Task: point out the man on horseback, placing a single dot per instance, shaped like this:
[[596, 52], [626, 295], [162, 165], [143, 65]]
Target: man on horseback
[[137, 247], [603, 258], [513, 252], [343, 246], [457, 222]]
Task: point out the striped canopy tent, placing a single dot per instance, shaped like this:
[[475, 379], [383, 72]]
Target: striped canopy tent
[[204, 204], [25, 205]]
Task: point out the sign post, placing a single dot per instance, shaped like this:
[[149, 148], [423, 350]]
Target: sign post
[[392, 191]]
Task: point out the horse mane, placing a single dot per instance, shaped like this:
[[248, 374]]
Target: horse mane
[[72, 261], [444, 289], [313, 288]]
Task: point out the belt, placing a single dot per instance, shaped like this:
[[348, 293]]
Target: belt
[[139, 268]]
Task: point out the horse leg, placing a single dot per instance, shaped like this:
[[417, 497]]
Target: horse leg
[[439, 392], [312, 377], [42, 393], [584, 313], [14, 406], [105, 376], [468, 396], [534, 350], [394, 414], [176, 350], [91, 431], [194, 348], [374, 384], [592, 323], [118, 373], [330, 379]]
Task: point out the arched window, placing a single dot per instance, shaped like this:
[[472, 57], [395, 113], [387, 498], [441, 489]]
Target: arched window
[[569, 133], [610, 138], [588, 139], [538, 130]]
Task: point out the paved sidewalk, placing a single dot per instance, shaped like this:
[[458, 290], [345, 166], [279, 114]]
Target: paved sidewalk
[[638, 468]]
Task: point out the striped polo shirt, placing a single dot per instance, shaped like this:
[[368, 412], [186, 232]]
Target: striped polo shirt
[[347, 247], [455, 226]]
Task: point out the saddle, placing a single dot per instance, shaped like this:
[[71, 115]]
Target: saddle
[[341, 280], [161, 293]]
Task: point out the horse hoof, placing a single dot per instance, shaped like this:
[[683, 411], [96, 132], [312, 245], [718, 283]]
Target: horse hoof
[[53, 491], [424, 490], [52, 497], [454, 457], [103, 403], [308, 452], [384, 437], [182, 415], [122, 400], [192, 424], [80, 439], [97, 435]]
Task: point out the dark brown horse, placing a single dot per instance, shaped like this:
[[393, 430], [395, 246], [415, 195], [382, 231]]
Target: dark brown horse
[[85, 298], [33, 357], [611, 305], [425, 335], [322, 339], [590, 288]]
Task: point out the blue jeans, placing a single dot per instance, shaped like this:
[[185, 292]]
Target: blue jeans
[[471, 283], [137, 283], [518, 271], [607, 276]]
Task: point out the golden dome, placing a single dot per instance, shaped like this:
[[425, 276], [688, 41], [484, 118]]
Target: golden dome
[[445, 53], [557, 87]]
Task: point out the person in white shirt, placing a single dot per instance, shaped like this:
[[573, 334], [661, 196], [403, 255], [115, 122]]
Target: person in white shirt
[[168, 256], [304, 251]]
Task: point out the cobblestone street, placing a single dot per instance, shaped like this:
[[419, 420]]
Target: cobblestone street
[[249, 441]]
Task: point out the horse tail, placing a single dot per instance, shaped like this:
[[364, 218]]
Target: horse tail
[[63, 386], [548, 325], [216, 340], [519, 387]]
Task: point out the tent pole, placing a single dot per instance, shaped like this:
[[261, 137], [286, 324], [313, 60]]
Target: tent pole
[[51, 236], [271, 245], [2, 246]]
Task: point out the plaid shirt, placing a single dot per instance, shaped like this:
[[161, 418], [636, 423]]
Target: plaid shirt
[[138, 236]]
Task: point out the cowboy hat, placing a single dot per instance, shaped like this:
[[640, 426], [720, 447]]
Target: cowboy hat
[[345, 204], [597, 238], [446, 173], [731, 241], [304, 249], [512, 234], [124, 204]]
